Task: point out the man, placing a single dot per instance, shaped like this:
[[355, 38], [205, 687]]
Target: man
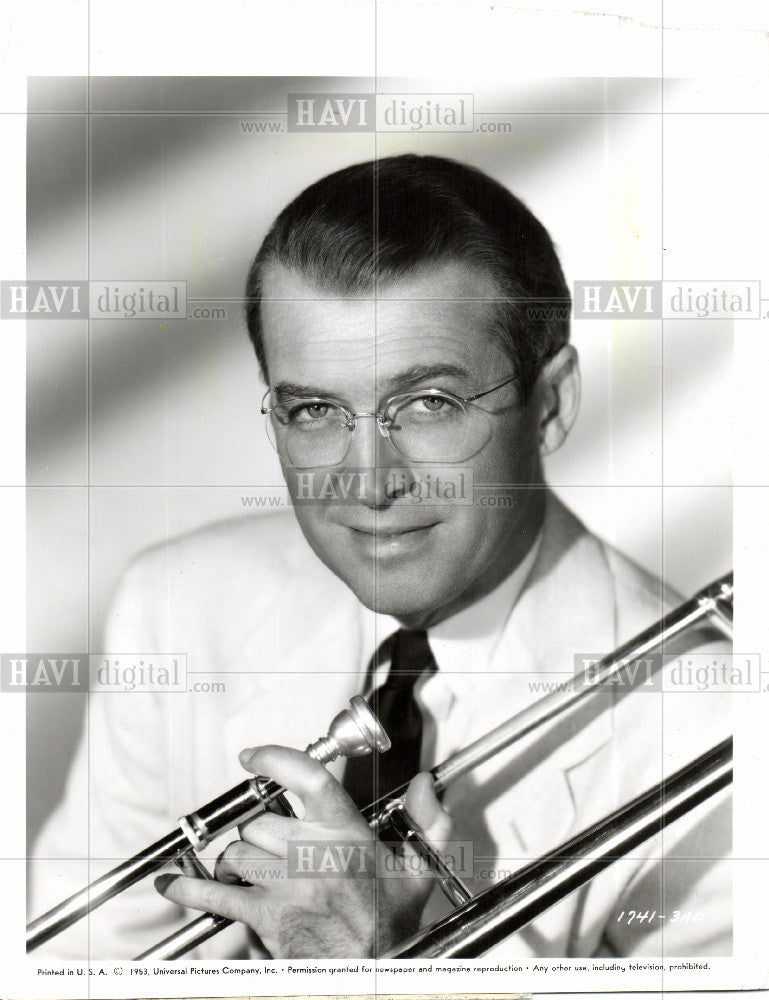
[[408, 315]]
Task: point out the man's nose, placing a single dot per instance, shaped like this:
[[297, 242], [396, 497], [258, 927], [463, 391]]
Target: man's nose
[[384, 474]]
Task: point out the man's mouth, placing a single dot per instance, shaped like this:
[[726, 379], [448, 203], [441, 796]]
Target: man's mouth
[[391, 531], [390, 541]]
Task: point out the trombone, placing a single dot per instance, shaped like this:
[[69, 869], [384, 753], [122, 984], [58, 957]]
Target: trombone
[[479, 922], [488, 918]]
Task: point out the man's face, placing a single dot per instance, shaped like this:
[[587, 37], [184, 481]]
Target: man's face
[[418, 562]]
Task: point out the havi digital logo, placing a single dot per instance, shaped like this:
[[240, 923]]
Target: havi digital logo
[[331, 113]]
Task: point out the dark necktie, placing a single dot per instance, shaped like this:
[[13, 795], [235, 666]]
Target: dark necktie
[[367, 779]]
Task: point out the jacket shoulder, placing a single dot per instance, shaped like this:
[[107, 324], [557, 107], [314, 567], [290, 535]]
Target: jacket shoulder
[[230, 573], [242, 545]]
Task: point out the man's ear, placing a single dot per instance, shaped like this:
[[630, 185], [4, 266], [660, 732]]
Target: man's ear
[[559, 390]]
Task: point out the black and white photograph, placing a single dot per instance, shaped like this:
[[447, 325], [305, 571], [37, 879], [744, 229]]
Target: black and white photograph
[[392, 517]]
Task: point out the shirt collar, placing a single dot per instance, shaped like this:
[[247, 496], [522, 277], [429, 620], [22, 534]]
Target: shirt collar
[[466, 642]]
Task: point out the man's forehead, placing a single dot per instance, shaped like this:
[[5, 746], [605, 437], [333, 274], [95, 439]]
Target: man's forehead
[[441, 318]]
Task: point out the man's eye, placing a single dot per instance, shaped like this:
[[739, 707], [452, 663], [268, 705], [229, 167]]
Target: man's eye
[[316, 410], [427, 406], [309, 412]]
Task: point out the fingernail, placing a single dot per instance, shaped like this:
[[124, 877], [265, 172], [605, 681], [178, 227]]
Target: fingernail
[[162, 882], [245, 755]]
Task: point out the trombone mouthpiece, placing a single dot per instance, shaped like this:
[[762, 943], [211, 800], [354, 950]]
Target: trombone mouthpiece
[[355, 732]]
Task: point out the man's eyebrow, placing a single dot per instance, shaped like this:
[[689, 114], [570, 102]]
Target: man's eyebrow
[[427, 373], [403, 381], [286, 390]]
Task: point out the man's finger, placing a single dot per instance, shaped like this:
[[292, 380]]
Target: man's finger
[[272, 832], [231, 901], [323, 797], [424, 808], [244, 862]]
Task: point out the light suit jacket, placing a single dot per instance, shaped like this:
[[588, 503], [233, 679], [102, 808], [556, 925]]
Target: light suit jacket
[[255, 612]]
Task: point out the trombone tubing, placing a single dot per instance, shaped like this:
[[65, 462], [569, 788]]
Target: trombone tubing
[[506, 907], [712, 603], [353, 731], [217, 816]]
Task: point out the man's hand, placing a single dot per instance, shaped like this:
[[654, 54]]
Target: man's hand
[[370, 900]]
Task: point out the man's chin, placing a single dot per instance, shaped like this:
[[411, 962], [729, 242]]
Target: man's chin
[[405, 600], [401, 607]]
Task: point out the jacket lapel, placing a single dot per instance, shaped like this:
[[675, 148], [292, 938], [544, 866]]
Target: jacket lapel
[[566, 609]]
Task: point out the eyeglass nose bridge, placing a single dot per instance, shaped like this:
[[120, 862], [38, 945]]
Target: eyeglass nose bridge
[[384, 423]]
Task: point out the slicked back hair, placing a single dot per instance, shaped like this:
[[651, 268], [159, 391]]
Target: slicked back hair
[[370, 224]]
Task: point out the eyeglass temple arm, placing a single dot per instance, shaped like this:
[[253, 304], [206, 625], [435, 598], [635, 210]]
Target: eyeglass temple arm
[[486, 392]]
